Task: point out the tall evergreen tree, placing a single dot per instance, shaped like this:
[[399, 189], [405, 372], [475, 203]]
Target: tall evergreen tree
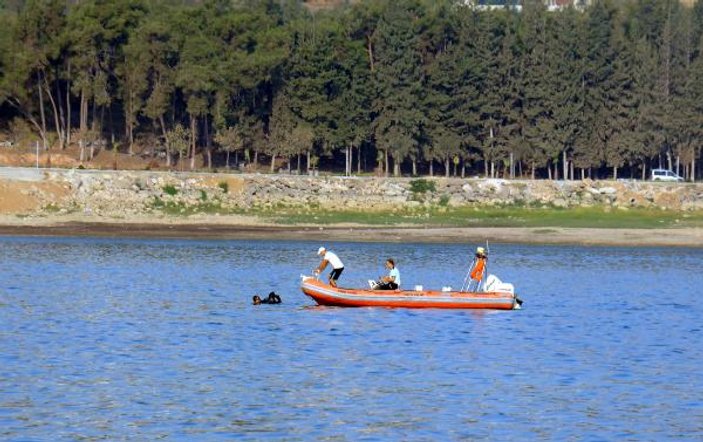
[[398, 82]]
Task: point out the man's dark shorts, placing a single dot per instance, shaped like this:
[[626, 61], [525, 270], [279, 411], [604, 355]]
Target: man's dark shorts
[[334, 275]]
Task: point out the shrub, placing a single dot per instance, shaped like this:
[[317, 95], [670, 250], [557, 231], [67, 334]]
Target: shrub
[[203, 195], [422, 186], [224, 186], [170, 190]]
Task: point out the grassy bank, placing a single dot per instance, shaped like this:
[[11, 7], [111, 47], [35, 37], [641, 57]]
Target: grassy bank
[[445, 216], [492, 217]]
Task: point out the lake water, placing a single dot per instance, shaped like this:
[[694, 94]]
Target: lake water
[[119, 339]]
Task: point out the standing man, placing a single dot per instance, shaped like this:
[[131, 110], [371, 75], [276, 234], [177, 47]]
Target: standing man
[[479, 268], [333, 259]]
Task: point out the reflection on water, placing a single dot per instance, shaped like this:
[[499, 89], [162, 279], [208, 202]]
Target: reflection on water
[[131, 339]]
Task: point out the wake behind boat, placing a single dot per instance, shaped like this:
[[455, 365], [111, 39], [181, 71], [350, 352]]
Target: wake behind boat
[[501, 297]]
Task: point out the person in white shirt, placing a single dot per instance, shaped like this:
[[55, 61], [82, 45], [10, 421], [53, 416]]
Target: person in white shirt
[[392, 281], [336, 263]]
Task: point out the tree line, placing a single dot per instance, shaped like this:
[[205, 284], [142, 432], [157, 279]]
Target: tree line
[[392, 86]]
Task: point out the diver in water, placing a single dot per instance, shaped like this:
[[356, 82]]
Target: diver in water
[[272, 298]]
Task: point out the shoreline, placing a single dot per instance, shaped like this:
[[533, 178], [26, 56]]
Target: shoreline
[[225, 229]]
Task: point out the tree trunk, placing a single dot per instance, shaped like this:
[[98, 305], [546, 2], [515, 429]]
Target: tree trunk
[[83, 117], [431, 168], [208, 142], [193, 128], [165, 135], [571, 167], [446, 167], [369, 50], [532, 172], [414, 167], [493, 169], [102, 124], [227, 159], [62, 117], [693, 167], [358, 160], [512, 165], [346, 161], [41, 112], [615, 172], [308, 162], [68, 106], [485, 167], [94, 122], [273, 162], [565, 165], [57, 123], [396, 168], [110, 120], [83, 128], [129, 126], [549, 172], [386, 159]]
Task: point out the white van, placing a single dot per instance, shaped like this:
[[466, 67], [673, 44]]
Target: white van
[[664, 175]]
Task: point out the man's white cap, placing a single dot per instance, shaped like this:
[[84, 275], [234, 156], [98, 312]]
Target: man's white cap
[[320, 250]]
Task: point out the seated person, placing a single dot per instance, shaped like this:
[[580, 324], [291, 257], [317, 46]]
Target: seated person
[[272, 298], [392, 281]]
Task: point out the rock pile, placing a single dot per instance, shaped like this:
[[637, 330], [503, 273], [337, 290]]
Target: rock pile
[[125, 193]]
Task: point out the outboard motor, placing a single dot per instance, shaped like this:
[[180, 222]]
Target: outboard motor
[[493, 284]]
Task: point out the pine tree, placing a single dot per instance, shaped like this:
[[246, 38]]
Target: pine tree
[[398, 82]]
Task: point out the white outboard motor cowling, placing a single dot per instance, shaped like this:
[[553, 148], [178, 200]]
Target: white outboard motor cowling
[[493, 284]]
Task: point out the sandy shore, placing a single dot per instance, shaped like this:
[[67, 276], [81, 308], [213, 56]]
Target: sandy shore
[[238, 227]]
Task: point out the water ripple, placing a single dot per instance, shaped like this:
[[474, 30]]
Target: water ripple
[[145, 340]]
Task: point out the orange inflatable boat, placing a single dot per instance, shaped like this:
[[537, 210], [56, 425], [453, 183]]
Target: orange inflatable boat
[[325, 294]]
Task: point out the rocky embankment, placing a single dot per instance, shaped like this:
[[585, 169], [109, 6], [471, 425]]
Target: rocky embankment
[[121, 194]]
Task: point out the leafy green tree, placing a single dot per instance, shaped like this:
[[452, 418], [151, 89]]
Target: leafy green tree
[[230, 140], [30, 64], [158, 48], [179, 140], [445, 74], [133, 75], [97, 31], [398, 81]]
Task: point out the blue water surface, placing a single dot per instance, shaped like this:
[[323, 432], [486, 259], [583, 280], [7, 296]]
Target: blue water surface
[[120, 339]]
